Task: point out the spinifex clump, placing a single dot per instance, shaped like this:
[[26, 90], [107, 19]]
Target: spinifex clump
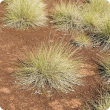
[[103, 102], [83, 40], [103, 64], [96, 19], [66, 16], [24, 14], [51, 66]]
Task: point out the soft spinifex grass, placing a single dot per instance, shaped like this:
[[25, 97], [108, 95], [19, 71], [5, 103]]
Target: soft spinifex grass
[[50, 66], [104, 65], [106, 46], [104, 25], [99, 6], [66, 16], [96, 19], [94, 11], [83, 40], [25, 13], [103, 102]]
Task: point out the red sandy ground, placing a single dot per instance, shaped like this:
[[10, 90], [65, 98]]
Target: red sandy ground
[[13, 43]]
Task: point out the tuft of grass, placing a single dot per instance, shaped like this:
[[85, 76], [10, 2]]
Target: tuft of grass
[[104, 65], [104, 25], [106, 46], [103, 102], [83, 40], [24, 14], [96, 18], [96, 8], [50, 66], [66, 16]]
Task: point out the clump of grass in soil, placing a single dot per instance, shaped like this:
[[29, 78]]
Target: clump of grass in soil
[[104, 102], [96, 18], [51, 66], [66, 16], [106, 46], [92, 17], [103, 64], [24, 14], [83, 40], [101, 103]]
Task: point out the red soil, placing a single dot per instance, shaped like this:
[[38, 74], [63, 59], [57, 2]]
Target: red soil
[[13, 43]]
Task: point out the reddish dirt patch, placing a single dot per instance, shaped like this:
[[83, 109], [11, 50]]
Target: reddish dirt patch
[[58, 105], [5, 90], [13, 44]]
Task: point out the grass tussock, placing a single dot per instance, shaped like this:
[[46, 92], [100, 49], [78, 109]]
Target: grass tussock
[[83, 40], [51, 66], [96, 18], [101, 103], [104, 102], [104, 66], [66, 16], [106, 46], [92, 17], [24, 14]]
